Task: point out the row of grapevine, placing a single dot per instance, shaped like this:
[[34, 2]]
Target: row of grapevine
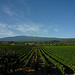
[[29, 58], [36, 61], [13, 57], [58, 65], [18, 57], [57, 57], [25, 56], [66, 53], [43, 59]]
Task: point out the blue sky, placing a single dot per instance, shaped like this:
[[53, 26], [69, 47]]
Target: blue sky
[[49, 18]]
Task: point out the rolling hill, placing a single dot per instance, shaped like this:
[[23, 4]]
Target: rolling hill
[[27, 38]]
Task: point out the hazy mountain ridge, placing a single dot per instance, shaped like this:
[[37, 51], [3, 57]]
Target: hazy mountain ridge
[[27, 38]]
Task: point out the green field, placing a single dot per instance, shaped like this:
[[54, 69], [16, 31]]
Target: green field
[[66, 53], [53, 59]]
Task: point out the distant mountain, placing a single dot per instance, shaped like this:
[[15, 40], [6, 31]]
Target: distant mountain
[[27, 38]]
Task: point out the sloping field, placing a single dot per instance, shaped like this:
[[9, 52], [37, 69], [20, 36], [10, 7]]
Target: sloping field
[[37, 60]]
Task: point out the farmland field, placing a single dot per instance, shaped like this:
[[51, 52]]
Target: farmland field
[[37, 60]]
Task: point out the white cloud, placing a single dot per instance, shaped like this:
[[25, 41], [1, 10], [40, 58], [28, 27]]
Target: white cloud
[[8, 11], [12, 30], [4, 31], [26, 28], [30, 28], [56, 30]]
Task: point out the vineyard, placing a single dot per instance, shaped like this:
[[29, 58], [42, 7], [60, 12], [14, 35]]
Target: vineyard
[[37, 60]]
